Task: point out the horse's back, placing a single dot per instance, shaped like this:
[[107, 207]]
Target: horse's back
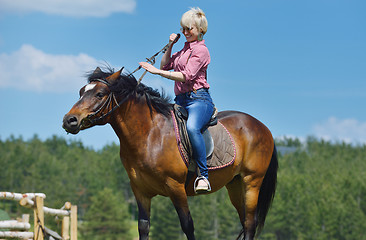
[[239, 120], [254, 142]]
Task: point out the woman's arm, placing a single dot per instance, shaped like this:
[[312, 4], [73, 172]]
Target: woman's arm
[[175, 76], [167, 55]]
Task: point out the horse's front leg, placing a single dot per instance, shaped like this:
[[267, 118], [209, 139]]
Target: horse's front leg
[[144, 206], [144, 218]]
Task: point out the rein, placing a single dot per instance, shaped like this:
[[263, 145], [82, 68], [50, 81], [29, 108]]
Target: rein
[[111, 99], [91, 119], [151, 60]]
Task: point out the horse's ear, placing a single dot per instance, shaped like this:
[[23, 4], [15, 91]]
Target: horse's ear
[[114, 76], [97, 70]]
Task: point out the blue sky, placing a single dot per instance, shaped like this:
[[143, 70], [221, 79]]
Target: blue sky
[[297, 66]]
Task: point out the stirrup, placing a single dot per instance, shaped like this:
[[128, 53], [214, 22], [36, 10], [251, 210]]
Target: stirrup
[[198, 190]]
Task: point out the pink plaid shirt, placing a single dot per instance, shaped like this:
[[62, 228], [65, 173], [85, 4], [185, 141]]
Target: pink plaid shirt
[[192, 61]]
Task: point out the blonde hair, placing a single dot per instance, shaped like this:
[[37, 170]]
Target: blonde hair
[[195, 16]]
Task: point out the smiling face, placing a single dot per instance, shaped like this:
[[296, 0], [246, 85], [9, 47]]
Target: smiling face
[[194, 24], [191, 33]]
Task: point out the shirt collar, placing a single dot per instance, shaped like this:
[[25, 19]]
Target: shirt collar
[[194, 43]]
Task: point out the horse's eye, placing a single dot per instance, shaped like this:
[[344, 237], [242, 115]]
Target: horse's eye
[[100, 95]]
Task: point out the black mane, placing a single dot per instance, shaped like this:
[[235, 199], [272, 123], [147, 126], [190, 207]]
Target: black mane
[[127, 86]]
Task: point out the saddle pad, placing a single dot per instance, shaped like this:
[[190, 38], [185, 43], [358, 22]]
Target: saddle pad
[[224, 151]]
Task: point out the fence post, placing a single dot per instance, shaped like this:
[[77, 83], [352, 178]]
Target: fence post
[[68, 211], [25, 218], [65, 231], [74, 222], [38, 219], [65, 228]]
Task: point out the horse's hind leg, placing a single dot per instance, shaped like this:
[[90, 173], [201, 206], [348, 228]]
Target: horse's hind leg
[[180, 202], [251, 202], [244, 197], [236, 189]]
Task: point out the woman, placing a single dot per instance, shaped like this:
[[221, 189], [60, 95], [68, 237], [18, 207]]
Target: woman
[[191, 88]]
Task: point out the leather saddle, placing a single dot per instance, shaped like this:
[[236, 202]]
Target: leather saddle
[[181, 116]]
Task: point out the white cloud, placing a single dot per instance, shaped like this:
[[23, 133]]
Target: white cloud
[[33, 70], [347, 130], [79, 8]]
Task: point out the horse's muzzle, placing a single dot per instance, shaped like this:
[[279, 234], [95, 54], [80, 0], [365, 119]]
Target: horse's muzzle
[[71, 124]]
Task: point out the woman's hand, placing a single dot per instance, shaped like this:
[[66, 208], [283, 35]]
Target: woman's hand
[[150, 68], [175, 76], [172, 37]]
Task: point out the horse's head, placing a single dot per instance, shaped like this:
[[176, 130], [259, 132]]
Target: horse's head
[[95, 104], [104, 93]]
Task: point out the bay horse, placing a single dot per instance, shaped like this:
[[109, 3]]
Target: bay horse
[[141, 118]]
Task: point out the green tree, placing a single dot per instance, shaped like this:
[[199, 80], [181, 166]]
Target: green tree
[[107, 217], [228, 219], [165, 223], [321, 189], [205, 215], [319, 193], [4, 215]]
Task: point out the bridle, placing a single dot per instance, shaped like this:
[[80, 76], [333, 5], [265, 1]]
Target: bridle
[[92, 118]]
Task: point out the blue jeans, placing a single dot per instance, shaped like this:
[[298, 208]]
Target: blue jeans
[[200, 107]]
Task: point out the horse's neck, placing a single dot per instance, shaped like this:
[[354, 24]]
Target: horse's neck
[[133, 124]]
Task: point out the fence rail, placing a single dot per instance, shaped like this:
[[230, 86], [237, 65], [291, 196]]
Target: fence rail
[[35, 201]]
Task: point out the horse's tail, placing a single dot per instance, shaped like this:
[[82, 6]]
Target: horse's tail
[[267, 191]]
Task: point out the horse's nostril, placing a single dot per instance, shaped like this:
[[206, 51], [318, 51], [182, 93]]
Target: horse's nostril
[[72, 121]]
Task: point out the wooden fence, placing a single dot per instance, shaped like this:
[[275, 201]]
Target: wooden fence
[[20, 229]]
